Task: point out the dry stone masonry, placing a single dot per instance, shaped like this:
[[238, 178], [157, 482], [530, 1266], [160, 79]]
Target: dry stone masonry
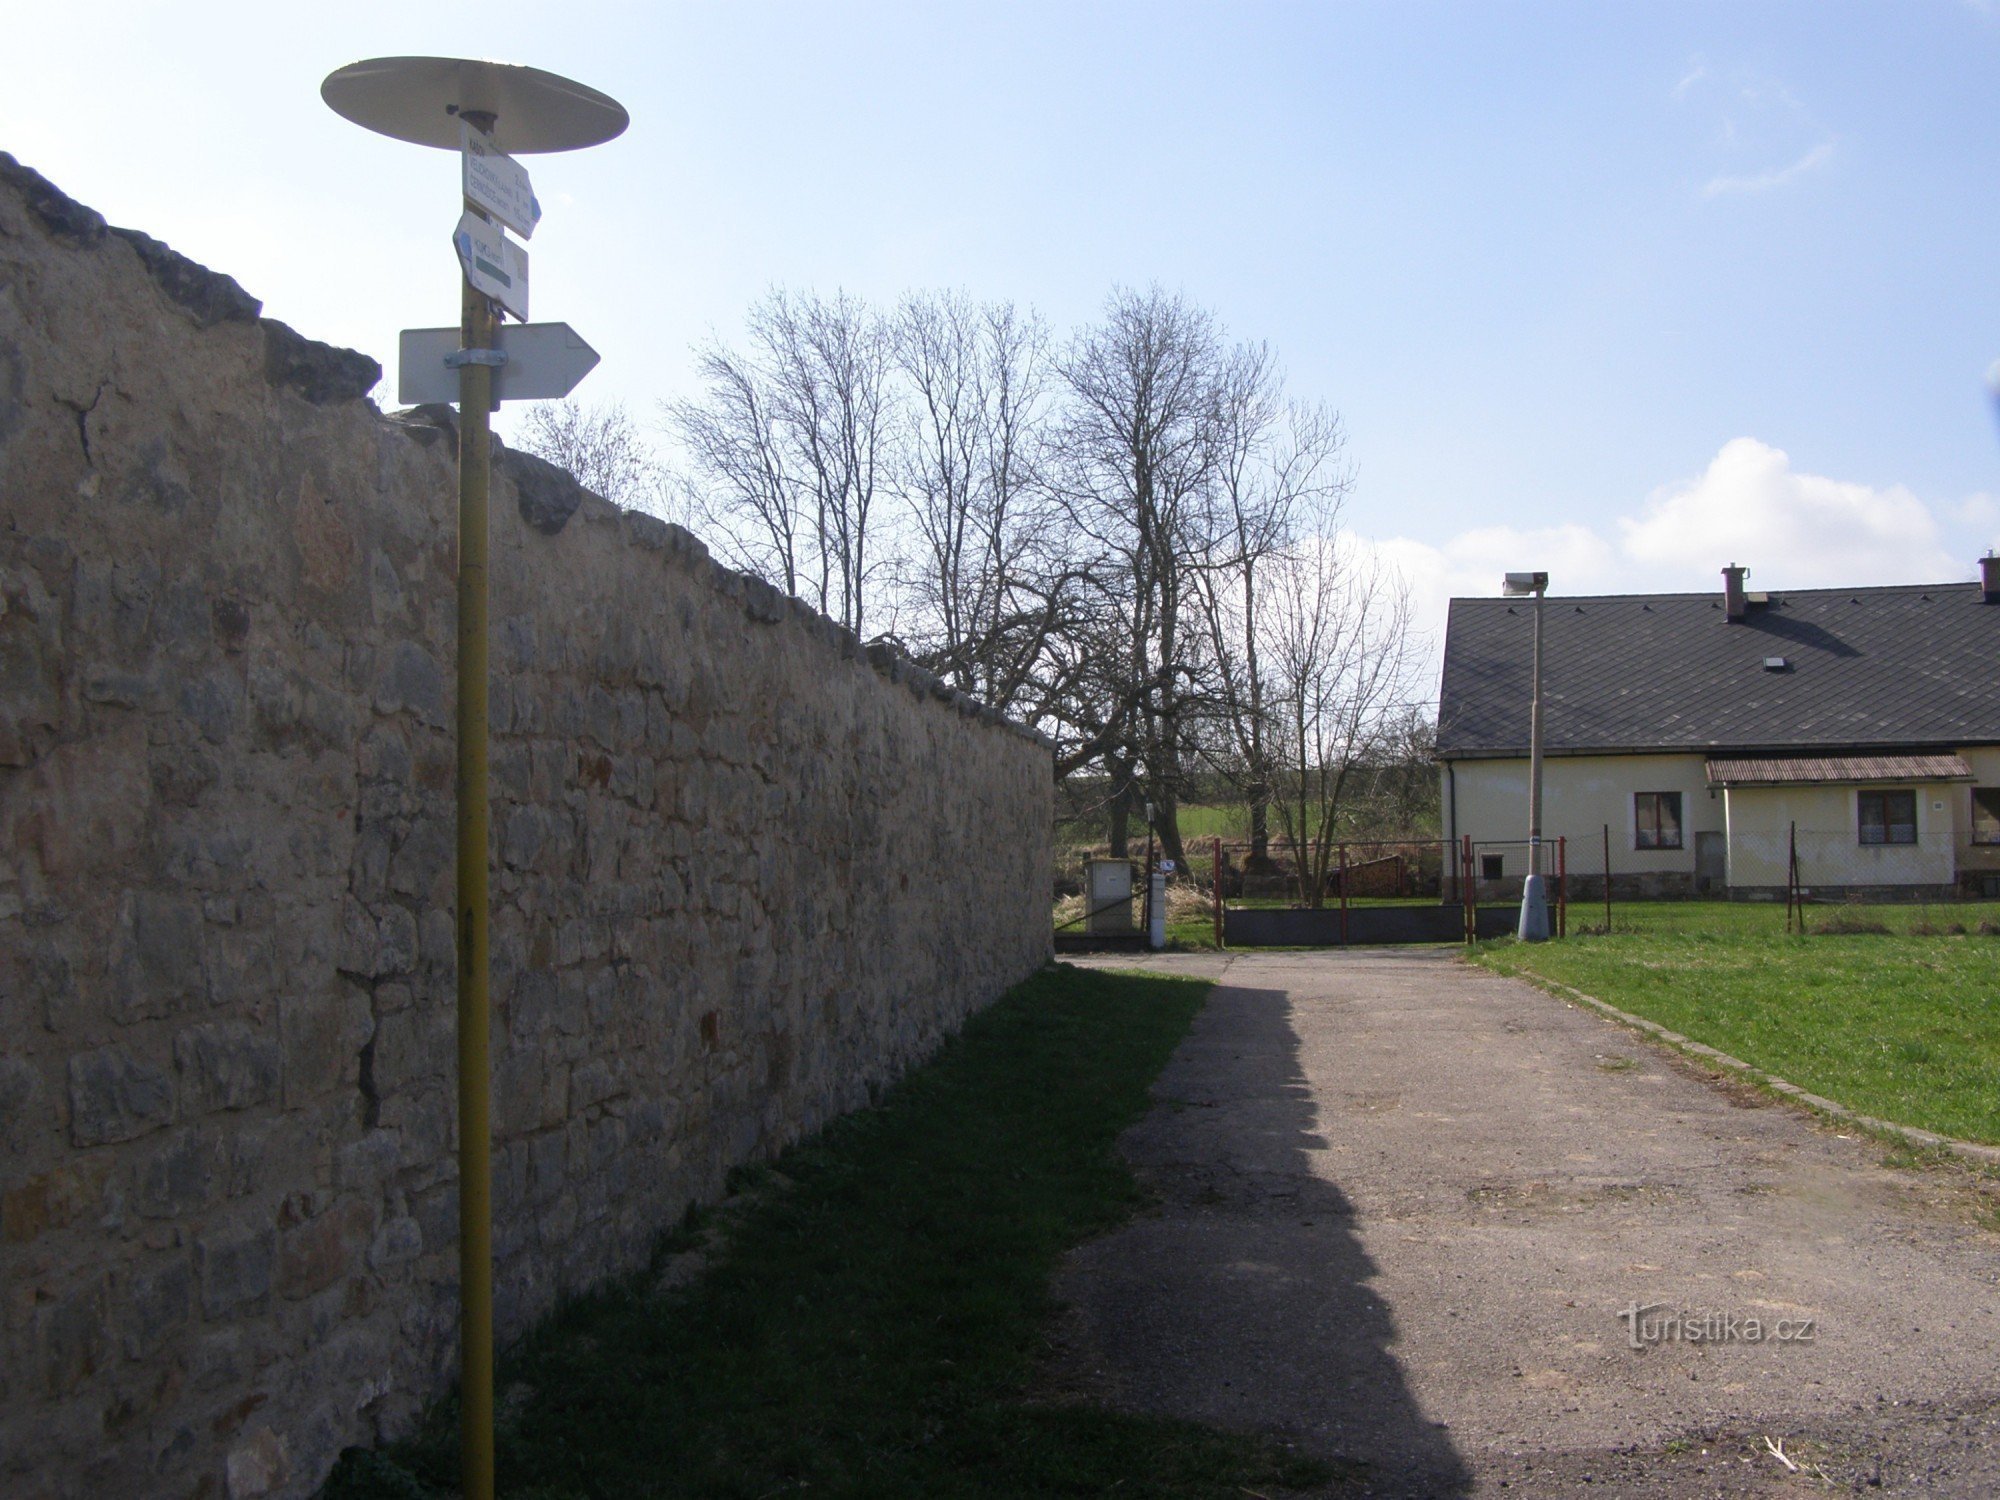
[[745, 874]]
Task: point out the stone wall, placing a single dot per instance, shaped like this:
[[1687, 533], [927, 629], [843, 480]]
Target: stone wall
[[745, 874]]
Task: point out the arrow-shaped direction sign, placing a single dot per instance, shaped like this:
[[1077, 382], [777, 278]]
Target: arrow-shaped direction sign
[[544, 362], [493, 263], [497, 183]]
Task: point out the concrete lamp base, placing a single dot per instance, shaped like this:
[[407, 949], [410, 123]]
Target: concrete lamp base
[[1534, 926]]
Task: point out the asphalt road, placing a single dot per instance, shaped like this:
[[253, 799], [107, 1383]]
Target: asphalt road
[[1406, 1208]]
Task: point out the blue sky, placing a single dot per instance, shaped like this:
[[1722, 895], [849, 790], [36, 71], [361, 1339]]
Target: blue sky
[[1625, 291]]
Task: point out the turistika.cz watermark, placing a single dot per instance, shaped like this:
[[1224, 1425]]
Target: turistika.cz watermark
[[1653, 1323]]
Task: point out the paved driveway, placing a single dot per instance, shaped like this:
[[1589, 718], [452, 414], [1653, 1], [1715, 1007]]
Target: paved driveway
[[1404, 1203]]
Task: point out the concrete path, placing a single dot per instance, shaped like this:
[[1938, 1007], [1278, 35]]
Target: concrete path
[[1403, 1203]]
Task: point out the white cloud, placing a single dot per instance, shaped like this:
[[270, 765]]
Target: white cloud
[[1749, 506], [1801, 530], [1981, 511], [1764, 182]]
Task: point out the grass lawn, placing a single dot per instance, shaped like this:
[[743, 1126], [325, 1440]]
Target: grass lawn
[[873, 1326], [1902, 1024]]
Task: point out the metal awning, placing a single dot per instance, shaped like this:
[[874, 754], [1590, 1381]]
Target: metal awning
[[1831, 770]]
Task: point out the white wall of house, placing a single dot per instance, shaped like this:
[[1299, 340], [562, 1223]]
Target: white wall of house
[[1581, 794], [1760, 820], [1985, 763]]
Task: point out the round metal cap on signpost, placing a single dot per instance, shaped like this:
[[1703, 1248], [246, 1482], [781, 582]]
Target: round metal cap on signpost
[[422, 99], [462, 104]]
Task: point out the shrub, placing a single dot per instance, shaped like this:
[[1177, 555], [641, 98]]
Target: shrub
[[1847, 923]]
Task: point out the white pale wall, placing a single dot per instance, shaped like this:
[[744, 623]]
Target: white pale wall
[[1985, 763], [1581, 796], [1760, 822]]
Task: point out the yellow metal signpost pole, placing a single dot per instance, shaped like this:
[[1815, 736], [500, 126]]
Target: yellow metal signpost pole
[[423, 100], [475, 1155]]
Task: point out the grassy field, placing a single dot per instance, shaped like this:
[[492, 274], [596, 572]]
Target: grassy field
[[1902, 1022], [873, 1323]]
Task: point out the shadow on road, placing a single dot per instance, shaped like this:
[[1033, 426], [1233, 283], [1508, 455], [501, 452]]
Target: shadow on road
[[1245, 1300]]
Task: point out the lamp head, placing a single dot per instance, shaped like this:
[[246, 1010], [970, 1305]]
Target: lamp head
[[1525, 583]]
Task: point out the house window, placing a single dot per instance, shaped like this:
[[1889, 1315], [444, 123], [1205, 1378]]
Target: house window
[[1656, 818], [1490, 866], [1986, 815], [1887, 817]]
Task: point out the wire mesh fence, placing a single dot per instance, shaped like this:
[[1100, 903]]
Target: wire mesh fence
[[1595, 882]]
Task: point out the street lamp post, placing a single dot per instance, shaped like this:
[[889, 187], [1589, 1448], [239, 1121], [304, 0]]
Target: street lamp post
[[1534, 924]]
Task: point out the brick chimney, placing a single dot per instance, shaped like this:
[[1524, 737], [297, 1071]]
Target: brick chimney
[[1989, 578], [1736, 603]]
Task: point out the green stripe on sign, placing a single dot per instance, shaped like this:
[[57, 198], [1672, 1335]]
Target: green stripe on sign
[[492, 270]]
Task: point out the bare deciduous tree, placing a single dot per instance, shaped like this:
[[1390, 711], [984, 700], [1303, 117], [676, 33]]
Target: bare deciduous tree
[[1132, 543], [1139, 446], [1341, 658], [788, 446], [601, 447], [1281, 469], [987, 581]]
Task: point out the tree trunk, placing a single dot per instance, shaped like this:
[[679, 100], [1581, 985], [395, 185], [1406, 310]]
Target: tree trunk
[[1121, 809]]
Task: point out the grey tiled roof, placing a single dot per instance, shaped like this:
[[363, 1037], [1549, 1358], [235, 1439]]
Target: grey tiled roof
[[1877, 668]]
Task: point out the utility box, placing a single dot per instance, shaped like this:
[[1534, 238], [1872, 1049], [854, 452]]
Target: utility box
[[1108, 885]]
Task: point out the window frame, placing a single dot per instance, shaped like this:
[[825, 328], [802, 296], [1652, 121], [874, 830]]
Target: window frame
[[1640, 830], [1881, 797], [1993, 795]]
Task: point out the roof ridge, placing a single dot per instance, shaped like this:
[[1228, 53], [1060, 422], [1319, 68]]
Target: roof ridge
[[1515, 601]]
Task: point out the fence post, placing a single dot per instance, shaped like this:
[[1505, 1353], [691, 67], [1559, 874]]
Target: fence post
[[1562, 885], [1792, 880], [1218, 890], [1607, 880], [1343, 895], [1468, 895]]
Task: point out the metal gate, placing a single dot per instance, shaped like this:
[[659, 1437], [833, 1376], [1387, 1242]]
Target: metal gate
[[1388, 891]]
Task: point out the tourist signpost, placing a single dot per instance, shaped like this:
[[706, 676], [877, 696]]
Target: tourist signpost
[[492, 263], [496, 182], [543, 362], [463, 105]]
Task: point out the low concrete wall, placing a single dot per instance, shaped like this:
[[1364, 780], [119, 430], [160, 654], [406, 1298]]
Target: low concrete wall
[[744, 875]]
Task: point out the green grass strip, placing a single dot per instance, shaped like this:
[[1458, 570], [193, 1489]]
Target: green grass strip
[[1903, 1025], [874, 1325]]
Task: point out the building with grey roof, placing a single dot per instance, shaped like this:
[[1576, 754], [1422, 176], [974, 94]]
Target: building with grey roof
[[1707, 737]]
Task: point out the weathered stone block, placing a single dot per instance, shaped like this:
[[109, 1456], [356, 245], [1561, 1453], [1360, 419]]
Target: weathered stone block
[[399, 1242], [235, 1271], [366, 1163], [321, 1036], [259, 1465], [73, 1339], [179, 1178], [409, 1046], [411, 681], [115, 1096], [155, 1307], [225, 1065], [162, 967], [377, 941], [314, 1255], [20, 1088]]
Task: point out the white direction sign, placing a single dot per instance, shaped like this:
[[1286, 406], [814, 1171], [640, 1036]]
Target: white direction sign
[[544, 363], [498, 183], [493, 263]]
